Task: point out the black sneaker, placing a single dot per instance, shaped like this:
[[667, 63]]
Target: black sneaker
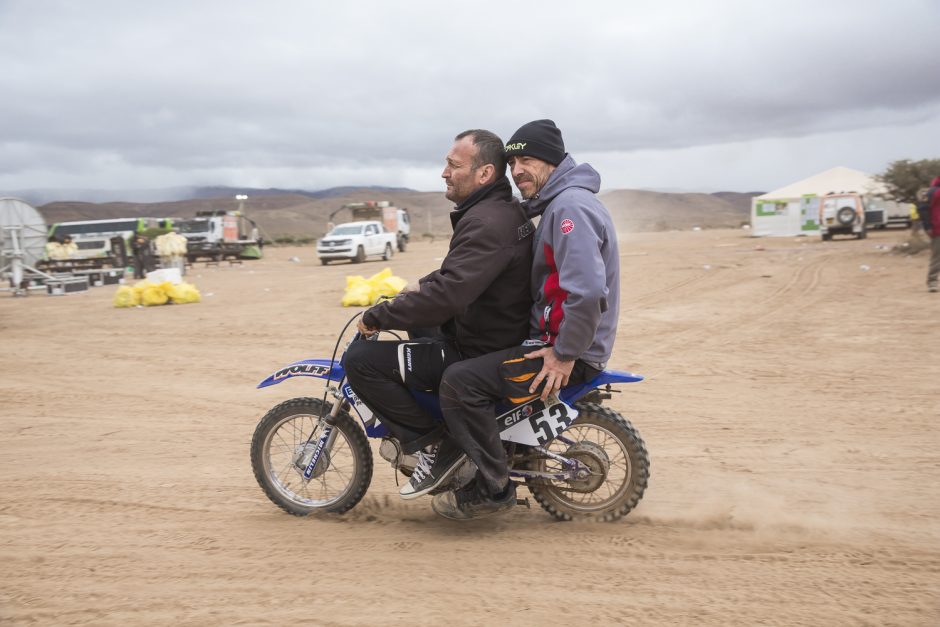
[[434, 466], [472, 502]]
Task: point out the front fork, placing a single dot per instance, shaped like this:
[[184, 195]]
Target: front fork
[[327, 437]]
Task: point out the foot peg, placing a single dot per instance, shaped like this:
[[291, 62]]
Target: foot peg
[[524, 501]]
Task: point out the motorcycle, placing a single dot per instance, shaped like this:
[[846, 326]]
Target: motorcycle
[[578, 459]]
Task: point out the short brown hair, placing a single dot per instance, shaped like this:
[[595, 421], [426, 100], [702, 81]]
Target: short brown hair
[[489, 149]]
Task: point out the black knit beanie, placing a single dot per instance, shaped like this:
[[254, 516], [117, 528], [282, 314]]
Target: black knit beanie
[[540, 139]]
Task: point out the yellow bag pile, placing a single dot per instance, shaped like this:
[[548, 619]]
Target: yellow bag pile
[[183, 293], [153, 294], [148, 294], [363, 292], [126, 296], [357, 292]]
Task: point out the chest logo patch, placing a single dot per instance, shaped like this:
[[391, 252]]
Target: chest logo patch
[[567, 226]]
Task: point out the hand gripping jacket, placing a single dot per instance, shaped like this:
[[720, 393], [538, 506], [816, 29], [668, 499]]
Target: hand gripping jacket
[[576, 266]]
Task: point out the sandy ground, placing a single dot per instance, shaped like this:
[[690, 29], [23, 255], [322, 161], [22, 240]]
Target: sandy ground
[[790, 412]]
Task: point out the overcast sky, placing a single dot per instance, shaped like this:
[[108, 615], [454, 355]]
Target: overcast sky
[[688, 95]]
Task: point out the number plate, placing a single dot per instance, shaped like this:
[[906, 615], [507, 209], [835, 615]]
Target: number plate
[[535, 423]]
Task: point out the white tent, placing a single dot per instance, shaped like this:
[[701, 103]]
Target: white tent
[[794, 209]]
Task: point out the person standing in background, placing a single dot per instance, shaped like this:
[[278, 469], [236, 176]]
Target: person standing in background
[[143, 260], [930, 216]]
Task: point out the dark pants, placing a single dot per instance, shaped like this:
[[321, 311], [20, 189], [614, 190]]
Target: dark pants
[[143, 263], [470, 390], [382, 373], [139, 266]]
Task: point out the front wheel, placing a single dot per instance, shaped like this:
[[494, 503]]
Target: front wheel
[[283, 446], [360, 255], [615, 455]]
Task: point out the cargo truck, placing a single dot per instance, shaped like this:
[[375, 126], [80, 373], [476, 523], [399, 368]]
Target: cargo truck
[[218, 235]]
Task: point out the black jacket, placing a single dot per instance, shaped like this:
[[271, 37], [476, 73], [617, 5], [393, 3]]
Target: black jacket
[[480, 296]]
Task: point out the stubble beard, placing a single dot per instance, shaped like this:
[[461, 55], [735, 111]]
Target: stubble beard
[[536, 185], [450, 194]]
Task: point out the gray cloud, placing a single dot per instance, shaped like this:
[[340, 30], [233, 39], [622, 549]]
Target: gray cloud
[[120, 94]]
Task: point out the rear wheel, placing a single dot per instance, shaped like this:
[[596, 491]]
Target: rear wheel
[[619, 467], [283, 445], [388, 253]]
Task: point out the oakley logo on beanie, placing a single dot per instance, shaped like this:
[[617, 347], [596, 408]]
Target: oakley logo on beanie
[[540, 139]]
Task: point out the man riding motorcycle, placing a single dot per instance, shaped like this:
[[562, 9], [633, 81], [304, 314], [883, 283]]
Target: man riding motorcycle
[[478, 300]]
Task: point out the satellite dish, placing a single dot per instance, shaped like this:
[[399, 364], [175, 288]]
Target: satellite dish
[[31, 229], [22, 243]]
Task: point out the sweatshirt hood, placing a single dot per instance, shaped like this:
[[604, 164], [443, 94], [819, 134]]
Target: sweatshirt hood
[[568, 174]]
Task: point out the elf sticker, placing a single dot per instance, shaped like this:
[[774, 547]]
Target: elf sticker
[[567, 226]]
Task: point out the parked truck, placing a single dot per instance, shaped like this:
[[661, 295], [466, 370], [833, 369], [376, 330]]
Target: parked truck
[[850, 213], [844, 214], [219, 235], [356, 241], [395, 219]]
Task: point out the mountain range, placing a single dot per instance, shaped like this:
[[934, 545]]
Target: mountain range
[[303, 213]]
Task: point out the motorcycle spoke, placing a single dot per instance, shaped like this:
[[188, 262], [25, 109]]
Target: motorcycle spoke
[[293, 439], [618, 467], [286, 444], [288, 466]]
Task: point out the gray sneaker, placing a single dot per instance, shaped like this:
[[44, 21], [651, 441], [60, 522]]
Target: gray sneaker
[[472, 502], [434, 466]]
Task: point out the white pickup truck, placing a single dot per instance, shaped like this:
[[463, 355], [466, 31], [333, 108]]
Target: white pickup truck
[[356, 241]]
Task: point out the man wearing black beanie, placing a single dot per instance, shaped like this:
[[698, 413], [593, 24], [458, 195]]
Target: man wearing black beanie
[[540, 139], [576, 293]]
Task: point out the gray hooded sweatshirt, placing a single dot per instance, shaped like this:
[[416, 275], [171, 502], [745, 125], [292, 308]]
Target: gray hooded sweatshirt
[[576, 266]]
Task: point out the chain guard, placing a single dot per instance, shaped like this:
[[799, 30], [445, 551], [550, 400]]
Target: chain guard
[[593, 461]]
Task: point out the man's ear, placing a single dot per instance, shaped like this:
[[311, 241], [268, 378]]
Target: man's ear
[[487, 174]]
